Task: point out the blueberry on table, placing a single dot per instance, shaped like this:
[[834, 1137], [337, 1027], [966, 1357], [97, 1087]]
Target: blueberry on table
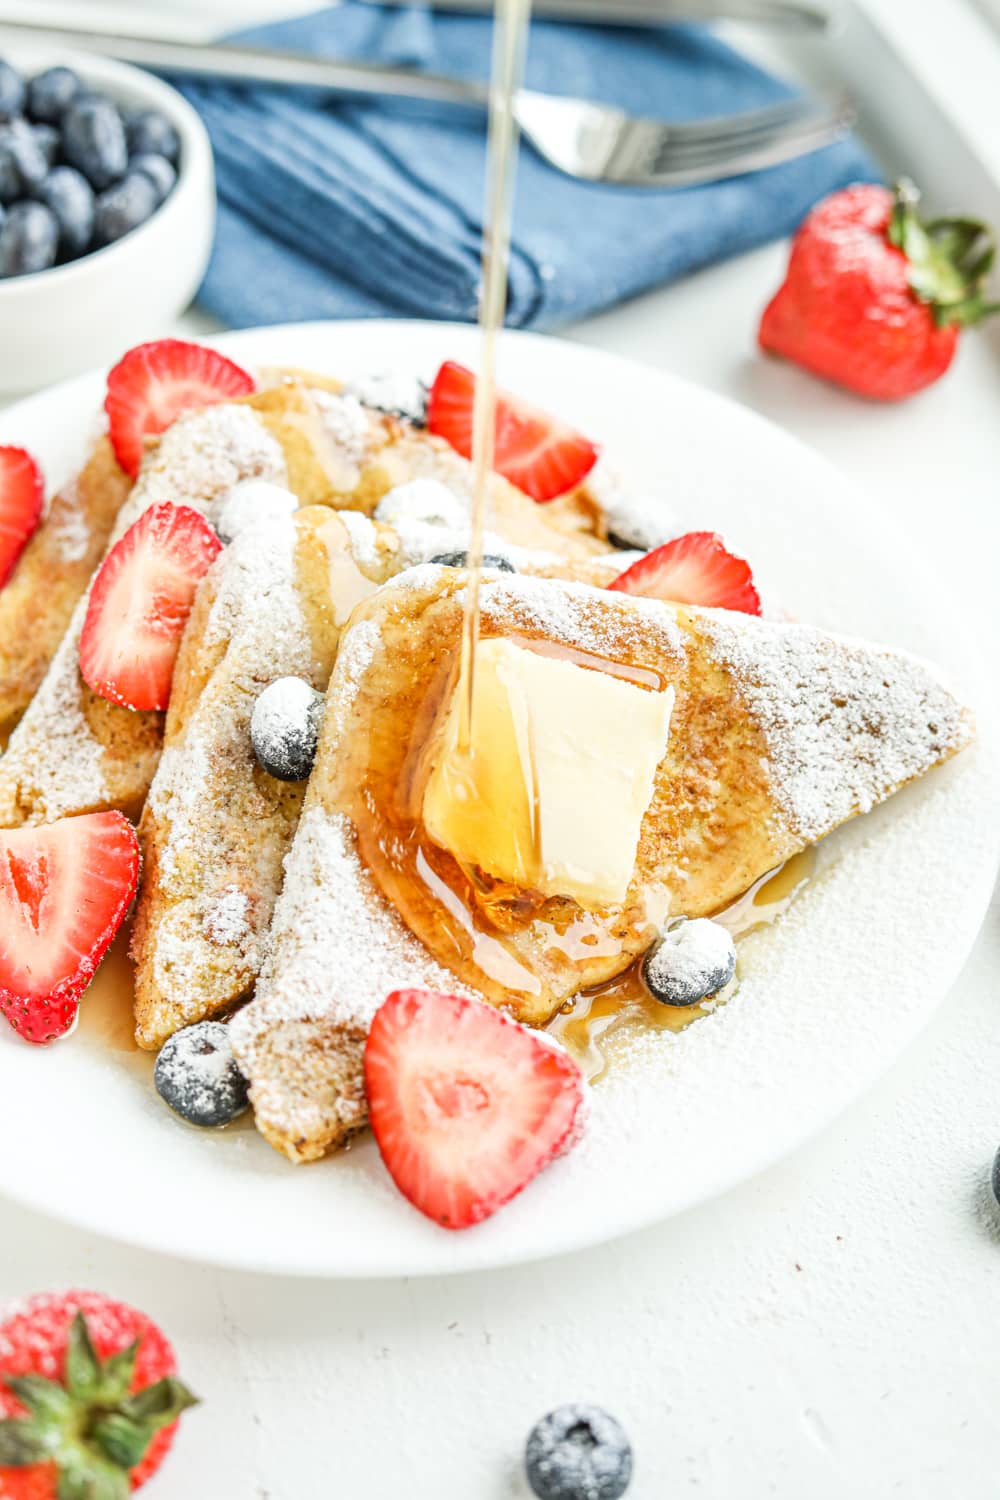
[[23, 164], [578, 1453], [197, 1076], [51, 94], [29, 240], [123, 208], [159, 171], [461, 560], [49, 142], [71, 198], [150, 132], [12, 91], [94, 141], [284, 728], [692, 961]]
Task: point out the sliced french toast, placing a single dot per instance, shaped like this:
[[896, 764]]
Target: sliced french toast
[[777, 734]]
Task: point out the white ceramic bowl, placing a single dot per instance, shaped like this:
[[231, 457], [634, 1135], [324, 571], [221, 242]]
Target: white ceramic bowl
[[88, 312]]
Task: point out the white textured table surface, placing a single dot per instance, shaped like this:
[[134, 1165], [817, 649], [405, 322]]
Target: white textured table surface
[[829, 1330]]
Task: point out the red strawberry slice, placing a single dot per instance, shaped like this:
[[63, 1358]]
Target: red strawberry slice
[[139, 604], [22, 497], [467, 1106], [155, 383], [693, 569], [64, 890], [539, 454]]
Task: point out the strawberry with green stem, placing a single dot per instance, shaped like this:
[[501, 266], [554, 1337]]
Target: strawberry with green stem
[[89, 1398], [875, 298]]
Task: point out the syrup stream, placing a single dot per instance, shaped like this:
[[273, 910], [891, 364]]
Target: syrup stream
[[510, 33]]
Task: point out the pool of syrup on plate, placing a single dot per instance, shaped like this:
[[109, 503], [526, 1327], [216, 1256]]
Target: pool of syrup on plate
[[589, 1023]]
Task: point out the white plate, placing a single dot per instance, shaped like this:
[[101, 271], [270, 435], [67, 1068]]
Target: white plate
[[830, 995]]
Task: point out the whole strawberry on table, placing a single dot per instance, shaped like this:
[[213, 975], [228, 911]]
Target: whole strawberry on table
[[89, 1398], [875, 298]]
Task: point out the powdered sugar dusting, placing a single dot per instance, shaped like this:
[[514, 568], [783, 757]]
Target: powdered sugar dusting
[[336, 948], [227, 917], [846, 723], [638, 520], [579, 615]]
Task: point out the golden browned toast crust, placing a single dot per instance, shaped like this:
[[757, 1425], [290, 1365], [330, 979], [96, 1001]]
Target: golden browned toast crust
[[37, 602]]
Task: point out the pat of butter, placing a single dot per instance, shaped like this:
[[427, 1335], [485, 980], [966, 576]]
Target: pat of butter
[[559, 775]]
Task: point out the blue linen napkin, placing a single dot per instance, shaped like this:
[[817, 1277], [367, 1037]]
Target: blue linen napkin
[[346, 209]]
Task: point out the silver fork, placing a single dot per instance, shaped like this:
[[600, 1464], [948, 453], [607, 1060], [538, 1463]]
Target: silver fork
[[594, 142]]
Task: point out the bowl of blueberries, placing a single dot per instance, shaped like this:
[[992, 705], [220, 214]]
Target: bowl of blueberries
[[107, 212]]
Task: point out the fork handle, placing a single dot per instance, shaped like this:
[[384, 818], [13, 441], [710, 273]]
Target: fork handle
[[256, 65]]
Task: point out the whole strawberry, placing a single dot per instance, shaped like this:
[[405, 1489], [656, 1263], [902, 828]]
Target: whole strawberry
[[874, 298], [89, 1400]]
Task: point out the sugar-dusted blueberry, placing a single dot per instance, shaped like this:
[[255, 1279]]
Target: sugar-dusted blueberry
[[13, 92], [692, 961], [151, 132], [94, 141], [23, 165], [196, 1074], [284, 728], [71, 198], [394, 393], [49, 142], [29, 240], [250, 501], [51, 94], [578, 1452], [122, 208], [159, 171], [461, 560]]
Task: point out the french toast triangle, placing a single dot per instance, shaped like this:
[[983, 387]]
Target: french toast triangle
[[777, 733], [73, 751]]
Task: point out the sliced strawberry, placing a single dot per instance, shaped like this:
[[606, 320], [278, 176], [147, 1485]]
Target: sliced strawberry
[[64, 890], [466, 1105], [22, 498], [155, 383], [139, 604], [693, 569], [539, 454]]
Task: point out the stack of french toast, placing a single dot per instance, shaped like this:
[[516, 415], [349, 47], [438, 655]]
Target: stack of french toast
[[231, 693]]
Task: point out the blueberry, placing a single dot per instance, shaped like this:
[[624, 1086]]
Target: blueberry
[[29, 240], [578, 1453], [996, 1177], [49, 142], [159, 171], [23, 167], [151, 132], [461, 560], [284, 728], [123, 208], [94, 141], [51, 94], [71, 198], [12, 92], [692, 961], [250, 501], [395, 394], [196, 1074]]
